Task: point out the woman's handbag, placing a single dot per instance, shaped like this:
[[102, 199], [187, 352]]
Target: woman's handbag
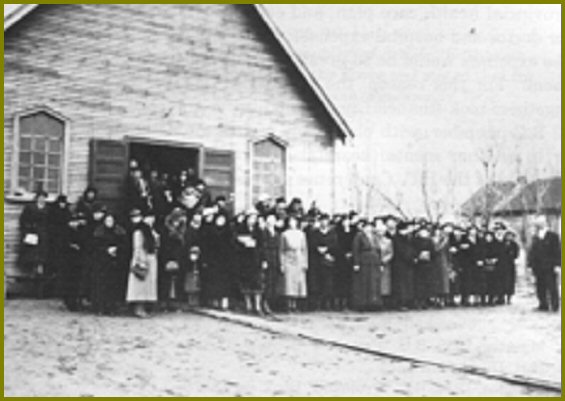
[[172, 266], [139, 271], [31, 239], [490, 265]]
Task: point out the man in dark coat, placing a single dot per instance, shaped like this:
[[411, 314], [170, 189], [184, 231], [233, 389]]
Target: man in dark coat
[[544, 259]]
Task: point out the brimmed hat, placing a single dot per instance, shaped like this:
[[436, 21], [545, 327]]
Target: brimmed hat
[[134, 212], [99, 207]]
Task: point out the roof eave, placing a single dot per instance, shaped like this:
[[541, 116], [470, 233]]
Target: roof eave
[[305, 72], [19, 12], [345, 130]]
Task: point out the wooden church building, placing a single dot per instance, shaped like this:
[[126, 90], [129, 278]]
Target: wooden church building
[[215, 87]]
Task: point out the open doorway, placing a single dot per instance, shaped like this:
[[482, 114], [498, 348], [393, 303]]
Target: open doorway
[[165, 158]]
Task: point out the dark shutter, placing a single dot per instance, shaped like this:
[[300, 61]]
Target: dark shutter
[[218, 170], [108, 170]]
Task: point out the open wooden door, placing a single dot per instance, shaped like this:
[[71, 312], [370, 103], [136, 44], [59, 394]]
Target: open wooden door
[[218, 170], [108, 172]]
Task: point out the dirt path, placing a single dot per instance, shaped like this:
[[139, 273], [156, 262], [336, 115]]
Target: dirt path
[[50, 352]]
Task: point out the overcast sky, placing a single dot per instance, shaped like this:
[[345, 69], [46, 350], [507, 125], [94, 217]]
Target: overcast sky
[[434, 84]]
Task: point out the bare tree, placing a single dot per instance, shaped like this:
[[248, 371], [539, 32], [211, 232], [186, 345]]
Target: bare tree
[[437, 192], [489, 157], [371, 188]]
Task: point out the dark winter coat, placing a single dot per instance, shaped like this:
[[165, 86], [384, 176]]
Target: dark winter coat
[[59, 237], [423, 268], [366, 281], [324, 261], [106, 268], [34, 223], [344, 262], [403, 270], [248, 260], [545, 253], [219, 257], [269, 253], [508, 255]]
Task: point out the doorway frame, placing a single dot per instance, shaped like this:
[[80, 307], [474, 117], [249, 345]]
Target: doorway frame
[[171, 143]]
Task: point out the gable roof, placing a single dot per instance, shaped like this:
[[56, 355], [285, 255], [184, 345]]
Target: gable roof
[[21, 11], [542, 195], [487, 197]]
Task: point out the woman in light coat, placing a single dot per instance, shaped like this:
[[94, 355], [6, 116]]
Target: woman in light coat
[[294, 263], [386, 252], [142, 280]]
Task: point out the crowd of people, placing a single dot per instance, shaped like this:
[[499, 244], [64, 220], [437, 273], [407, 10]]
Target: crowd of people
[[180, 248]]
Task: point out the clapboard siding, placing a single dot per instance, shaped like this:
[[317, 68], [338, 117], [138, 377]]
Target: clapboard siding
[[207, 73]]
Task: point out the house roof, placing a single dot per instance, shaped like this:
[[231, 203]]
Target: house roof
[[21, 11], [542, 195], [487, 196]]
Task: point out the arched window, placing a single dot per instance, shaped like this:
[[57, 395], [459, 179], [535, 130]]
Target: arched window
[[269, 168], [39, 153]]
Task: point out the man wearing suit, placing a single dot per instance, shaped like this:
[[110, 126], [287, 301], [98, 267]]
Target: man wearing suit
[[544, 259]]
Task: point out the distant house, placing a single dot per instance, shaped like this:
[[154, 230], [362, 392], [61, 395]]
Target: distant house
[[542, 196], [516, 202], [484, 201]]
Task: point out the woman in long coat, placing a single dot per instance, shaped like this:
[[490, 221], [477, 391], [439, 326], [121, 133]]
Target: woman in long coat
[[71, 273], [294, 263], [441, 266], [477, 278], [493, 278], [142, 280], [59, 231], [324, 242], [508, 255], [269, 254], [34, 249], [174, 258], [108, 264], [403, 266], [219, 254], [344, 262], [250, 280], [423, 269], [366, 282], [386, 251]]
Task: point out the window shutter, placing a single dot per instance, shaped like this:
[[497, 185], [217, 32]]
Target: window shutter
[[218, 172], [108, 171]]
